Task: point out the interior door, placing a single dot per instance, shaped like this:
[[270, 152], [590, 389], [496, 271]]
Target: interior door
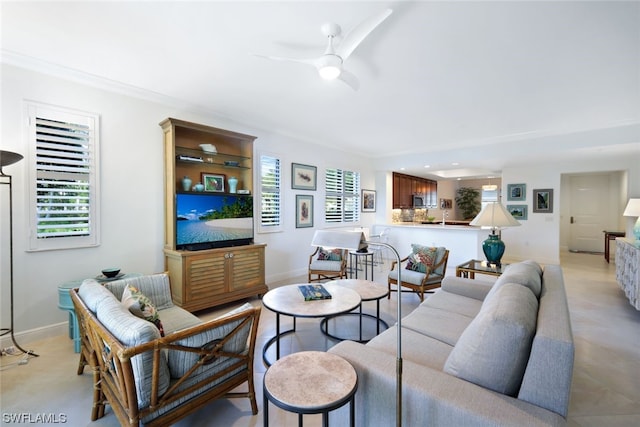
[[588, 212]]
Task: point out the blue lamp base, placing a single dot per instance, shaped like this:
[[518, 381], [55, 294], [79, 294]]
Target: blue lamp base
[[493, 249]]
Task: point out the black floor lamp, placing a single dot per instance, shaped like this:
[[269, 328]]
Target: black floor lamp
[[8, 158], [354, 241]]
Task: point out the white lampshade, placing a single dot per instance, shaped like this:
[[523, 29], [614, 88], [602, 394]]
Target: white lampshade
[[337, 239], [494, 215], [633, 208]]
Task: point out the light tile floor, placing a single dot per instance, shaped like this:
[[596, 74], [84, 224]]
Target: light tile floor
[[605, 392]]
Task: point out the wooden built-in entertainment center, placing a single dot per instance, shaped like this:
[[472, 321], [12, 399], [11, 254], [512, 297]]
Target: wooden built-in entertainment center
[[205, 278]]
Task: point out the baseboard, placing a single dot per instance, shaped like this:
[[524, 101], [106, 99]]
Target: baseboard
[[26, 337]]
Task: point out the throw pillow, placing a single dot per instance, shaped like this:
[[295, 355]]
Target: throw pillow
[[421, 258], [493, 350], [141, 306], [330, 255]]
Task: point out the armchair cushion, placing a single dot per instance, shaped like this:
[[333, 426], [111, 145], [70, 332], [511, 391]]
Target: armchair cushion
[[181, 361], [92, 293], [494, 349], [325, 265], [422, 258], [154, 286], [132, 331]]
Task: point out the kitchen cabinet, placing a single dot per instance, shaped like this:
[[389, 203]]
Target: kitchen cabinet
[[407, 186]]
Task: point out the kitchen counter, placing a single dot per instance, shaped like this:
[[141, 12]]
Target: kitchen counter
[[463, 241]]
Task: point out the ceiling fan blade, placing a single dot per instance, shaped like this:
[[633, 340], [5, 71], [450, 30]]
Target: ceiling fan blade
[[350, 79], [353, 39], [308, 61]]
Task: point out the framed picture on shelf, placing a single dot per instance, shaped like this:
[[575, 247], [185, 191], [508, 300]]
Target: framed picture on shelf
[[303, 177], [368, 201], [213, 182], [304, 211], [543, 200], [516, 192], [518, 211]]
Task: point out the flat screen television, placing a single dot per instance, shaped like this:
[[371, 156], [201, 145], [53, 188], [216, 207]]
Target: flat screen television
[[206, 221]]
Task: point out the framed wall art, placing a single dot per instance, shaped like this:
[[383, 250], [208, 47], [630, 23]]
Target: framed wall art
[[303, 177], [518, 211], [446, 203], [213, 182], [368, 201], [516, 192], [304, 211], [543, 200]]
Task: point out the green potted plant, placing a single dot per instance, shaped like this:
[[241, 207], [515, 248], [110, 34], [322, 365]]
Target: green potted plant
[[468, 201]]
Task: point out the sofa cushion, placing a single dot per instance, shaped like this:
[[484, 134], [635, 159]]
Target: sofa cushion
[[454, 303], [176, 318], [141, 306], [155, 286], [181, 361], [526, 273], [132, 331], [439, 324], [92, 293], [493, 351], [416, 347]]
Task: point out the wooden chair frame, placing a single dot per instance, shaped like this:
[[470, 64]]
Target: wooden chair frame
[[423, 286], [114, 382], [328, 274]]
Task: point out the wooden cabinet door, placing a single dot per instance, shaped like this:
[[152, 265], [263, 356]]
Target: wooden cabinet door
[[246, 268], [206, 276]]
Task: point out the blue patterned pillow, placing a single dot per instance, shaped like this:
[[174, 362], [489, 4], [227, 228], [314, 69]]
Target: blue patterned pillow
[[330, 255], [421, 258]]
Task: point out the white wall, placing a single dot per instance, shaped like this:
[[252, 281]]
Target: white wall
[[132, 193], [539, 237]]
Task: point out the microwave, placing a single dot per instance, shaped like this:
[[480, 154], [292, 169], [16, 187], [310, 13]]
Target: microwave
[[419, 202]]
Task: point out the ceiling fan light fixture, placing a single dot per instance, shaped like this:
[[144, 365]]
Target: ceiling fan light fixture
[[330, 66]]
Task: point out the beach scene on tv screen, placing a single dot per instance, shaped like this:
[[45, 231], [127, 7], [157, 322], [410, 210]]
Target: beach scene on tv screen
[[212, 218]]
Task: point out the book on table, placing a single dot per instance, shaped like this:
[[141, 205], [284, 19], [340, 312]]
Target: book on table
[[314, 292]]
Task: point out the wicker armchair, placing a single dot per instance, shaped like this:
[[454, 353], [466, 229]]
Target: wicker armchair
[[417, 281], [327, 269], [158, 381]]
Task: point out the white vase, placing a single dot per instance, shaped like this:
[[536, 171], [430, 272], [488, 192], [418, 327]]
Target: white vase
[[186, 183], [233, 183]]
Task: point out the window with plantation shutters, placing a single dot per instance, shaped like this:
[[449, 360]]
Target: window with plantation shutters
[[63, 178], [270, 195], [342, 198]]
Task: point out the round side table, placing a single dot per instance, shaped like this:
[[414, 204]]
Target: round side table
[[368, 291], [287, 385], [65, 303]]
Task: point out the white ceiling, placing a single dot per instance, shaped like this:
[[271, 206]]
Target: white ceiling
[[484, 84]]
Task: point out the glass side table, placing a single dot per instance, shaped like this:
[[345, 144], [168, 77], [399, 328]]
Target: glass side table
[[472, 267]]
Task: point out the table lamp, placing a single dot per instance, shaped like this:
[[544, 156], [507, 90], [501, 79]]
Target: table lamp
[[633, 209], [353, 241], [495, 216]]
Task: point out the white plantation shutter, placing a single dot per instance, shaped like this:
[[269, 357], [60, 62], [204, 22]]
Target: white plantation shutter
[[342, 198], [270, 195], [64, 183]]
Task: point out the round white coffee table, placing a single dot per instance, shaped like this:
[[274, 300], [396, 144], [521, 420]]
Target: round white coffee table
[[368, 291], [289, 301], [287, 385]]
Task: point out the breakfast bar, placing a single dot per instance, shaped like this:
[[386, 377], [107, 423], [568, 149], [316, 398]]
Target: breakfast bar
[[464, 242]]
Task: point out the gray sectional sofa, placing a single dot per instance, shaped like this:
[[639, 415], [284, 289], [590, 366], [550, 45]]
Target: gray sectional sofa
[[474, 353]]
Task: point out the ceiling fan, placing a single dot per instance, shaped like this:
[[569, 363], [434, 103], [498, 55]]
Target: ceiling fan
[[330, 63]]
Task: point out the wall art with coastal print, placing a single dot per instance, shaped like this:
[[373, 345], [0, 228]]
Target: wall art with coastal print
[[303, 177], [304, 211]]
